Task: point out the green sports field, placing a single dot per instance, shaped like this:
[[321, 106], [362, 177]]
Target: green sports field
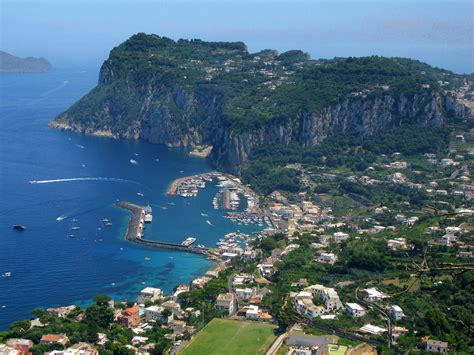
[[222, 336]]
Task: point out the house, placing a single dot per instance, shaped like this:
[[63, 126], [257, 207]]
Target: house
[[226, 302], [244, 293], [173, 307], [149, 294], [200, 282], [339, 237], [355, 310], [77, 349], [267, 269], [130, 317], [396, 312], [397, 243], [155, 313], [329, 296], [252, 313], [303, 303], [212, 274], [374, 294], [465, 254], [22, 346], [397, 331], [372, 329], [277, 253], [139, 340], [436, 346], [54, 339], [101, 339], [327, 258], [448, 239], [61, 312]]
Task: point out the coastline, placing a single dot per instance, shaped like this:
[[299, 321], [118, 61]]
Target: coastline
[[90, 132]]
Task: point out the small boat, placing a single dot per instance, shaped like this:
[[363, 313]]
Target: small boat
[[105, 220], [19, 227], [7, 274], [140, 194], [146, 258], [75, 228], [108, 224], [74, 220], [71, 236], [133, 161]]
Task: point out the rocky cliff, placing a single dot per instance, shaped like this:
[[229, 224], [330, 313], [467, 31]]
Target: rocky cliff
[[189, 93]]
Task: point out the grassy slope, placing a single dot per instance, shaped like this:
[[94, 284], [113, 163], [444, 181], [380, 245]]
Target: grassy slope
[[223, 336]]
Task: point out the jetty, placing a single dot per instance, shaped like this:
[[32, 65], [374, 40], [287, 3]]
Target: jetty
[[135, 232]]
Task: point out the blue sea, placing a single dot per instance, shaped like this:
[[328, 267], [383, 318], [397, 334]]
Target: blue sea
[[47, 267]]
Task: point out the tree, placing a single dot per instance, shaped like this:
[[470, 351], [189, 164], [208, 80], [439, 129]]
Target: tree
[[102, 316]]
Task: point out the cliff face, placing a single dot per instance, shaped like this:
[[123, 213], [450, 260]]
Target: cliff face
[[359, 116], [230, 99]]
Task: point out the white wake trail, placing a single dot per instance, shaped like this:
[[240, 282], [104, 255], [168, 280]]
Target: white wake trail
[[82, 179]]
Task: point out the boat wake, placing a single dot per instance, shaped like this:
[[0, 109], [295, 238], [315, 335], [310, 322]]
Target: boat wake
[[81, 179], [209, 222]]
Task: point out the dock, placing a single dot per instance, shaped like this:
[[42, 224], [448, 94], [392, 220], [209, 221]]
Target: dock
[[135, 232]]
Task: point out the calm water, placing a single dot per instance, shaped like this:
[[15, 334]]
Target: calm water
[[50, 269]]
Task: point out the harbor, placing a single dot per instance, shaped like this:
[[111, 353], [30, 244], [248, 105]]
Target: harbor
[[136, 228]]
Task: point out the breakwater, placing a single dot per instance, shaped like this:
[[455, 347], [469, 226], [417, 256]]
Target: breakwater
[[135, 232]]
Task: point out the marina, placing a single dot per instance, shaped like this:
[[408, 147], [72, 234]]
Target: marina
[[136, 228]]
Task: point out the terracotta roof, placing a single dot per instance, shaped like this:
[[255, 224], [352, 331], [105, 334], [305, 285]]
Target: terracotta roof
[[53, 337], [131, 310]]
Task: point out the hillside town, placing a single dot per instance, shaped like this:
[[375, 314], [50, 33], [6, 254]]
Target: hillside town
[[328, 277]]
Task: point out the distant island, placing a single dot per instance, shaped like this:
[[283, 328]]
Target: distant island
[[12, 64]]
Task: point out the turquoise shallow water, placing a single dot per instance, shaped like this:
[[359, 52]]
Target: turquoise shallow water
[[50, 269]]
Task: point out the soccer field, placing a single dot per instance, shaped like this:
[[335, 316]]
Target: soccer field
[[222, 336]]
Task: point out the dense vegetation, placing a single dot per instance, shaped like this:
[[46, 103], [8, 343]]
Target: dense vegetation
[[266, 171], [252, 89]]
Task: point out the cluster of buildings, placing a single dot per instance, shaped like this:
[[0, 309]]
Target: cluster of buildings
[[328, 298]]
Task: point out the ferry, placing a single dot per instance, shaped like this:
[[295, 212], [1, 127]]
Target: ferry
[[188, 241]]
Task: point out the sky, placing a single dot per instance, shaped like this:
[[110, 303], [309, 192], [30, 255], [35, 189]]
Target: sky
[[82, 32]]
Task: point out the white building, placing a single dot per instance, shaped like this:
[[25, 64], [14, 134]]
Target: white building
[[244, 293], [374, 294], [327, 258], [252, 312], [436, 346], [340, 237], [149, 294], [226, 302], [155, 313], [396, 312], [355, 310]]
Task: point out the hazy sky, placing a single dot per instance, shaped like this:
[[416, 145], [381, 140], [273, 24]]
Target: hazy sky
[[74, 32]]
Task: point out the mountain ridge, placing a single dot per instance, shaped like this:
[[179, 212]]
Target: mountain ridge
[[191, 92]]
